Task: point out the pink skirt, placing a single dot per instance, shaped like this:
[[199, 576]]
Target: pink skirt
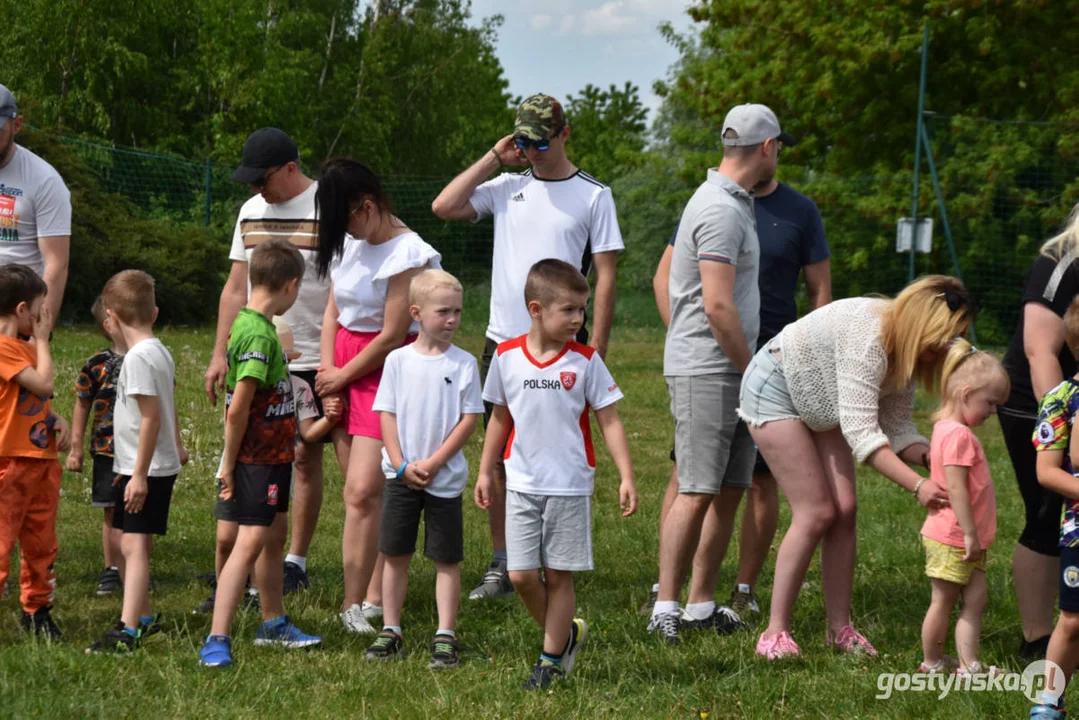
[[359, 418]]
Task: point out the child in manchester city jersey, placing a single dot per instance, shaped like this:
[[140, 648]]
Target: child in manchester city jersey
[[542, 385]]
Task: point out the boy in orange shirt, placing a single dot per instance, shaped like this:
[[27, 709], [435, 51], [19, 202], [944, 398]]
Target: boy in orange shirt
[[30, 435]]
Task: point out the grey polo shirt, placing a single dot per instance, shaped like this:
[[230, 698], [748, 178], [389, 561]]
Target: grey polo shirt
[[718, 225]]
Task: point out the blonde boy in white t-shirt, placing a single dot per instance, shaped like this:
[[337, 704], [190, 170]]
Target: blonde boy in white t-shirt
[[429, 402], [542, 386]]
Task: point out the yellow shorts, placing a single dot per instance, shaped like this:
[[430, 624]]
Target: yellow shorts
[[945, 562]]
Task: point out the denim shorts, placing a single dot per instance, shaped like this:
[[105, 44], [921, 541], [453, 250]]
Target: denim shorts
[[764, 395]]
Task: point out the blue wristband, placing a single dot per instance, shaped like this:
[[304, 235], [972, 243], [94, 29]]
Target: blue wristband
[[401, 470]]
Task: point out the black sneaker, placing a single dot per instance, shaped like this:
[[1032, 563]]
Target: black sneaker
[[295, 578], [388, 645], [666, 626], [727, 621], [108, 581], [495, 583], [251, 601], [444, 653], [206, 606], [1032, 650], [41, 623], [151, 628], [116, 640], [543, 674]]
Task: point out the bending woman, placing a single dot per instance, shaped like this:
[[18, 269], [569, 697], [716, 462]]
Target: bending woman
[[839, 381], [371, 256]]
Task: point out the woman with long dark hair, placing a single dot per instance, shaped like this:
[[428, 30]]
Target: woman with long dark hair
[[371, 257]]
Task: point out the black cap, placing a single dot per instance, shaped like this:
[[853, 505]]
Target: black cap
[[265, 148]]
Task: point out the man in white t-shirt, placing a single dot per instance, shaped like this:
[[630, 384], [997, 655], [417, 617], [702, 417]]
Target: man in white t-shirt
[[551, 210], [35, 209], [283, 208]]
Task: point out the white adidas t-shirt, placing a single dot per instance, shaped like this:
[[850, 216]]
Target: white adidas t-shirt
[[293, 220], [34, 203], [536, 219], [362, 274], [429, 394], [549, 451], [148, 369]]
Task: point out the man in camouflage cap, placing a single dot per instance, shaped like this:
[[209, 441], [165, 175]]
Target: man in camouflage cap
[[551, 210]]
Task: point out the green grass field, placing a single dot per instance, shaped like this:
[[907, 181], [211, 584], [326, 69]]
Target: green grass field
[[621, 672]]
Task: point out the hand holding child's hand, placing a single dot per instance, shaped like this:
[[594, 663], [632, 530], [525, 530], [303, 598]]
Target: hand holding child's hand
[[138, 487], [42, 325], [74, 461], [329, 381], [228, 482], [483, 491], [972, 548], [627, 497], [333, 407], [415, 476], [63, 434]]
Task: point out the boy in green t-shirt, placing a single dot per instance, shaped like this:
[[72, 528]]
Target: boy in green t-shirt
[[260, 443]]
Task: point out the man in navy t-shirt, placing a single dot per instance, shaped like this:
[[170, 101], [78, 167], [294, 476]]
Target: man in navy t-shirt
[[792, 241]]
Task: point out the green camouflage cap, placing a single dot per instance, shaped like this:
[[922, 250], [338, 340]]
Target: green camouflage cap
[[538, 117]]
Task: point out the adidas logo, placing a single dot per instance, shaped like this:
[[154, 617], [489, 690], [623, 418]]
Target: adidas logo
[[519, 197]]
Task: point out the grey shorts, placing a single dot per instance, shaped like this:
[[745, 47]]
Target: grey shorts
[[550, 531], [764, 396], [713, 448]]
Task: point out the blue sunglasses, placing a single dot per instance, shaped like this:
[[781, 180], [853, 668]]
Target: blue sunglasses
[[523, 143]]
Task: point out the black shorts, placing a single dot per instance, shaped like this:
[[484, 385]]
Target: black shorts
[[1069, 579], [104, 494], [153, 519], [308, 376], [489, 348], [261, 492], [1041, 533], [443, 528]]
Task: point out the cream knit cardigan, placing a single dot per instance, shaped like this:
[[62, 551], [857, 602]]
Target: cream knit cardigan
[[835, 366]]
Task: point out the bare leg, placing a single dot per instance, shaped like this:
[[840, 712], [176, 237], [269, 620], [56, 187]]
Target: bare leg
[[110, 541], [447, 594], [937, 617], [374, 585], [496, 514], [226, 540], [561, 604], [1063, 649], [839, 544], [306, 498], [136, 549], [269, 568], [712, 548], [363, 501], [394, 588], [230, 582], [533, 593], [759, 522], [968, 628], [1035, 579], [678, 542], [789, 447]]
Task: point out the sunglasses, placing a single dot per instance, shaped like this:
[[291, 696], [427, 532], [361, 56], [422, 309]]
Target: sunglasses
[[261, 182], [524, 143], [957, 301]]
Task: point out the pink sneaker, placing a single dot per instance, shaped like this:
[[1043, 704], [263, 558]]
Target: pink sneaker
[[850, 640], [780, 645]]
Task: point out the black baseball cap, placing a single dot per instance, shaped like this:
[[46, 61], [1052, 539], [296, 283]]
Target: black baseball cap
[[264, 149]]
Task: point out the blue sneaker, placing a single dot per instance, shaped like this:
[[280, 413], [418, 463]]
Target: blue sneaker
[[1042, 711], [281, 631], [216, 651]]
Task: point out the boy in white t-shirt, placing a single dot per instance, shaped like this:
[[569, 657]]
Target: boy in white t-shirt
[[542, 385], [429, 401], [148, 451]]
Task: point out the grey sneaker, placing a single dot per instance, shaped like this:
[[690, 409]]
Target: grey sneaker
[[371, 611], [496, 583], [108, 581], [665, 626], [744, 602], [646, 609]]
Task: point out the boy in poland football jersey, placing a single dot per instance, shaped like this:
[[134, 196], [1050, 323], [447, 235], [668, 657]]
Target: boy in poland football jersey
[[542, 386]]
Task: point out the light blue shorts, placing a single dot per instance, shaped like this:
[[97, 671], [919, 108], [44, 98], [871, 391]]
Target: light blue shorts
[[764, 395]]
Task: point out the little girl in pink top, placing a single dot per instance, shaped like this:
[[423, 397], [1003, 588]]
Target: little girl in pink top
[[956, 537]]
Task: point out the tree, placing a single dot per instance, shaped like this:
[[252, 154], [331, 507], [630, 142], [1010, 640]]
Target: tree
[[607, 129]]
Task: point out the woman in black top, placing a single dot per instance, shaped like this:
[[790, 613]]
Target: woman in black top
[[1037, 360]]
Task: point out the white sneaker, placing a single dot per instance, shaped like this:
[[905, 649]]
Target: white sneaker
[[355, 622], [371, 611]]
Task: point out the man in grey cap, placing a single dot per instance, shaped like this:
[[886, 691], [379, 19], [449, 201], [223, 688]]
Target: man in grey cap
[[714, 321], [35, 209], [283, 207]]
